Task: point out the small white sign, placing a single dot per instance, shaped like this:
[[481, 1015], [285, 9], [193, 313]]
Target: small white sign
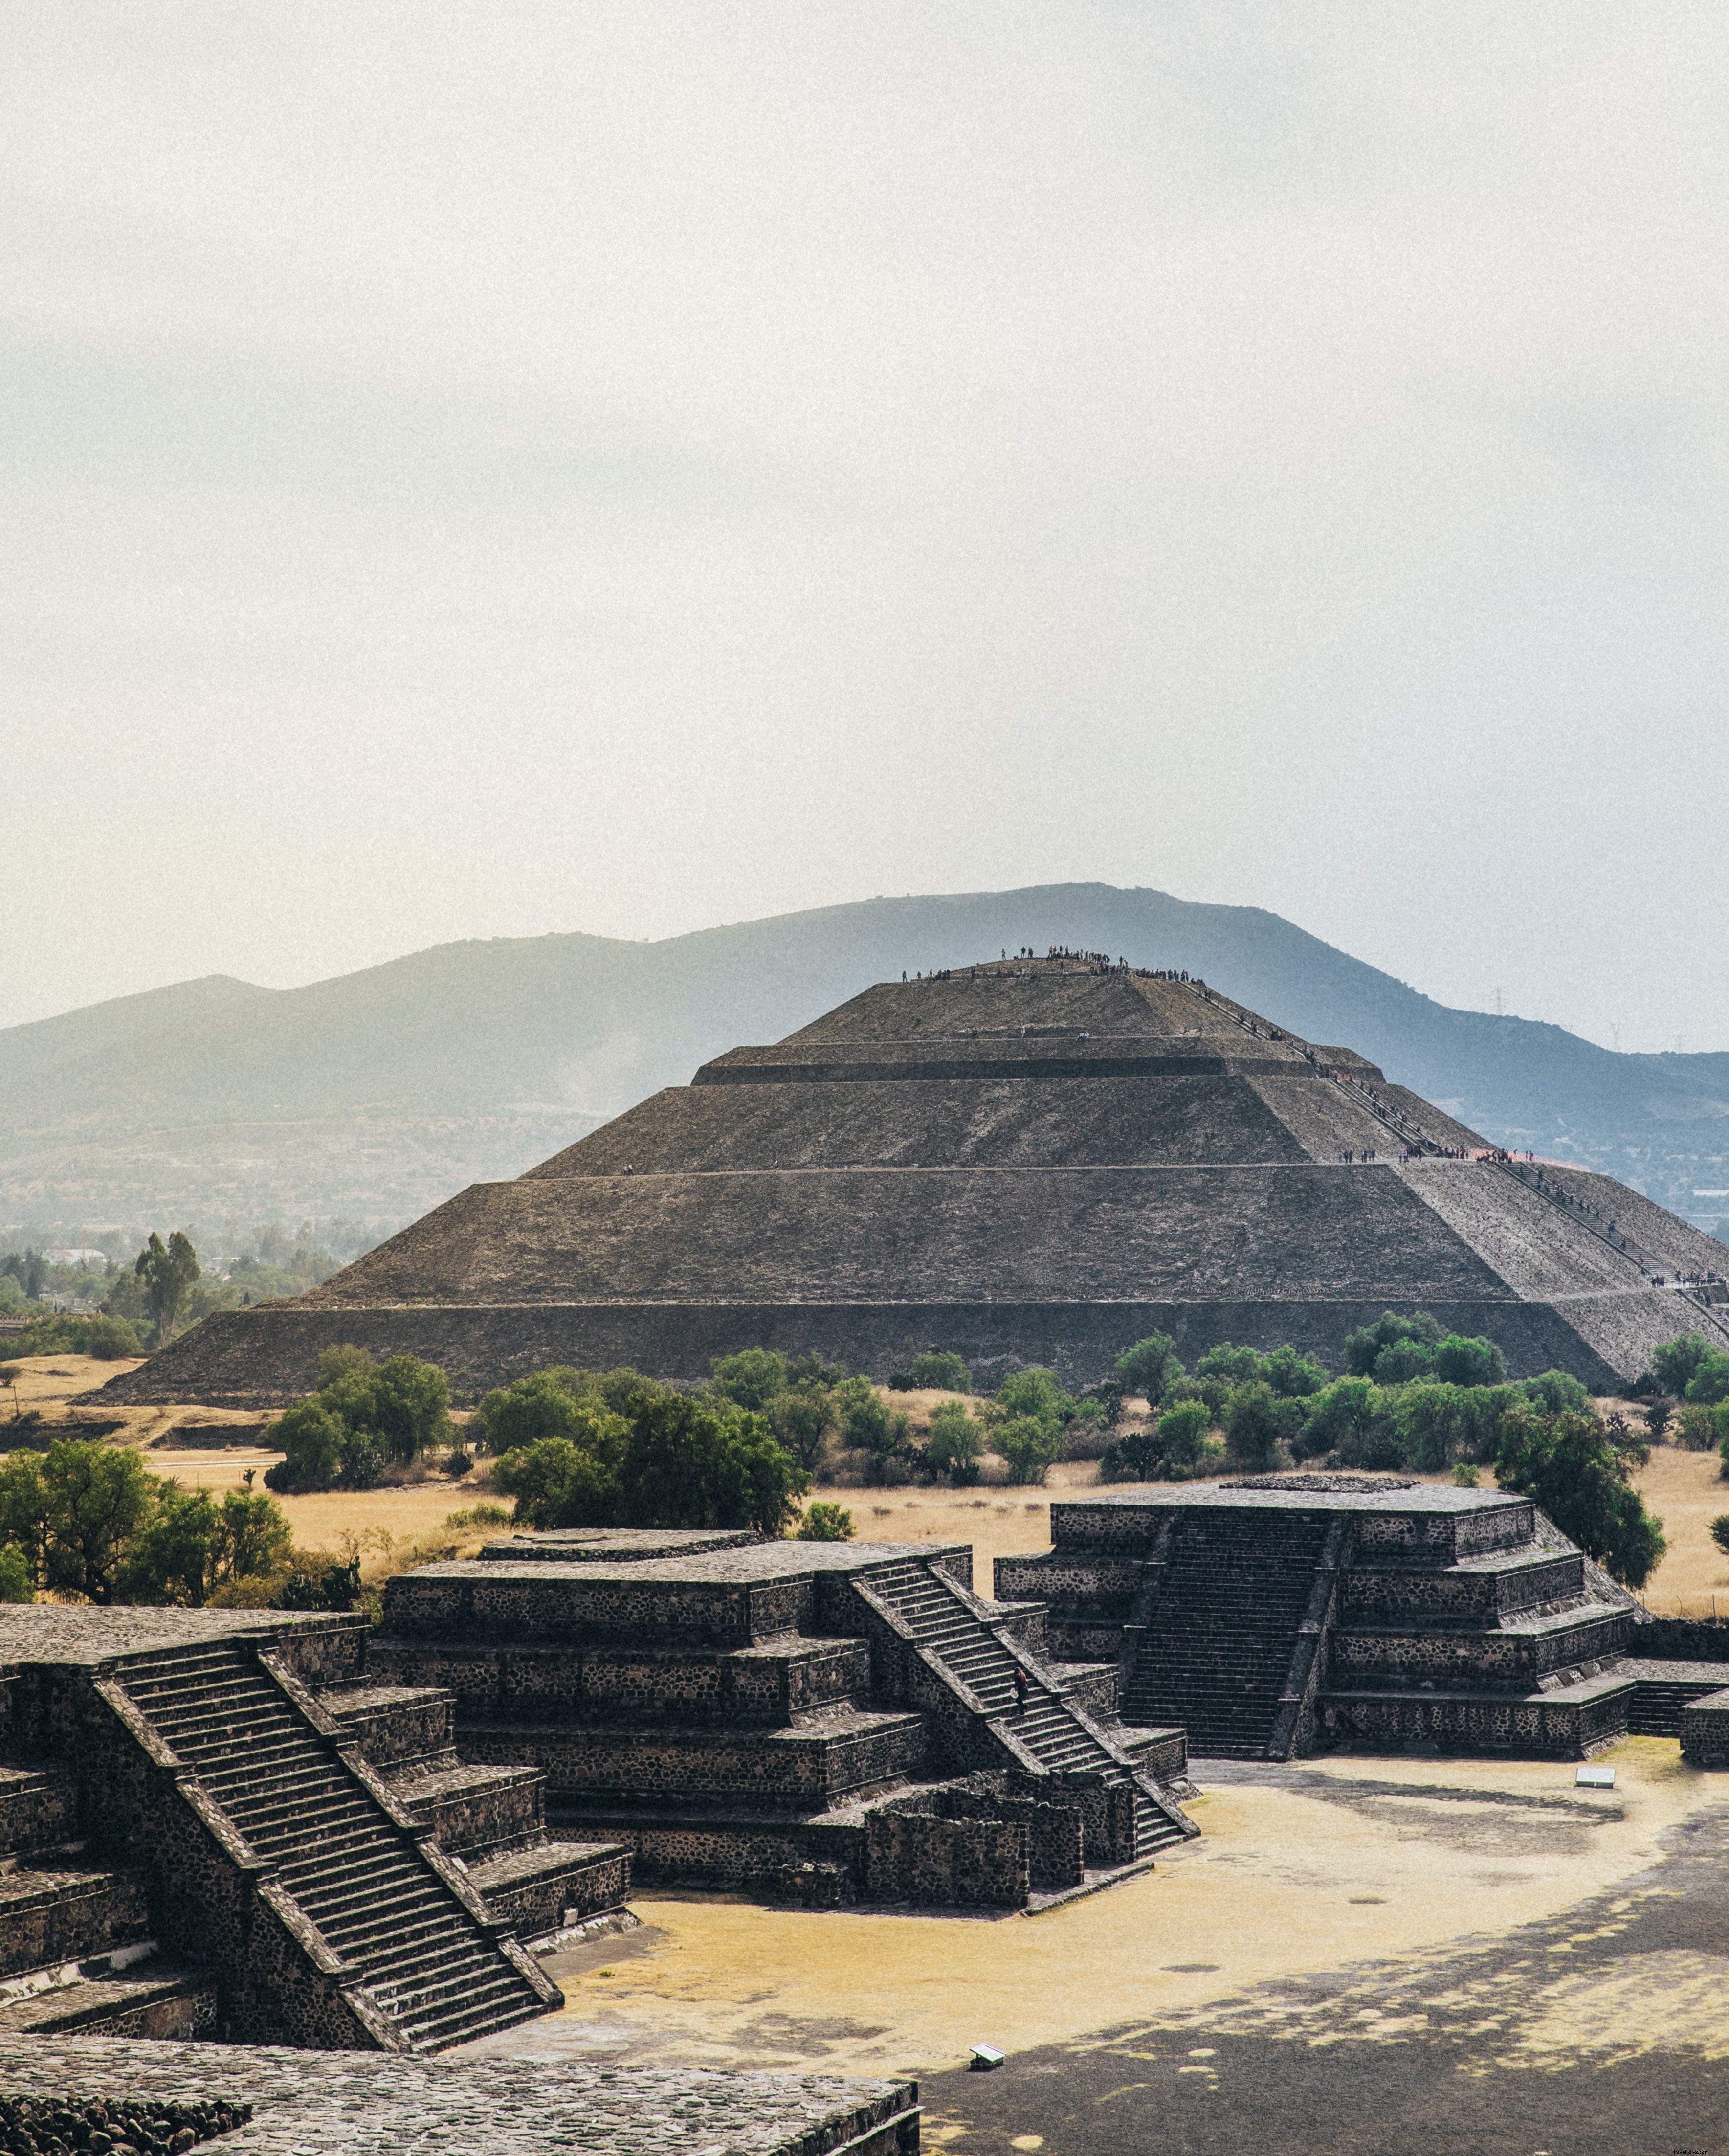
[[1594, 1778]]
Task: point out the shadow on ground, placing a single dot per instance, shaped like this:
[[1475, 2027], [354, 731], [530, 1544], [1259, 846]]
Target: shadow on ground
[[1606, 2028]]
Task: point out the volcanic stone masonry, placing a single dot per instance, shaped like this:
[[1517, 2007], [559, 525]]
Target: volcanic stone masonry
[[1284, 1614], [1030, 1162], [271, 1828]]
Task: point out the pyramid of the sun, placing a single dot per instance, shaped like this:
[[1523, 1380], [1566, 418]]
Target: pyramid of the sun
[[1036, 1161]]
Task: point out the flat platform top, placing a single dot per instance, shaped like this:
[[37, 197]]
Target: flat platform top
[[614, 1545], [375, 2103], [1285, 1494], [50, 1632], [725, 1567]]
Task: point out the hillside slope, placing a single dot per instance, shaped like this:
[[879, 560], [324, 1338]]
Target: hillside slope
[[376, 1093]]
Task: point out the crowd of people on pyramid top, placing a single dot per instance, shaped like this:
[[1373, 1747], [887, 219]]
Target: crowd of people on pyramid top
[[1096, 962]]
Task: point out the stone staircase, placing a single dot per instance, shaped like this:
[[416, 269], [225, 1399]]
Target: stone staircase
[[1234, 1591], [75, 1949], [422, 1959], [489, 1821], [943, 1619]]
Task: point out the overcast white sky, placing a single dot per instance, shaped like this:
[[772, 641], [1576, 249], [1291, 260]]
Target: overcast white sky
[[477, 469]]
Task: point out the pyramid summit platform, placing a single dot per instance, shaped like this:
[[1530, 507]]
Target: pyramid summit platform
[[1030, 1160]]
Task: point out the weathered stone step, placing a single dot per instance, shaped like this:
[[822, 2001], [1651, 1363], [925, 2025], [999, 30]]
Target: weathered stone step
[[536, 1890], [52, 1916]]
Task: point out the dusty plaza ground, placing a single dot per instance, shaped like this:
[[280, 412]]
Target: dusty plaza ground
[[1359, 1953]]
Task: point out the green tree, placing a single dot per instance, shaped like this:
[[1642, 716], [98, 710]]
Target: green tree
[[1252, 1427], [1675, 1361], [1228, 1366], [825, 1523], [558, 1484], [99, 1497], [1292, 1374], [1167, 1450], [802, 1418], [1364, 1347], [255, 1538], [23, 1509], [1338, 1414], [690, 1465], [750, 1379], [167, 1271], [312, 1438], [1555, 1392], [1710, 1381], [1583, 1481], [174, 1559], [1035, 1391], [549, 1403], [941, 1370], [956, 1445], [1462, 1360], [18, 1575], [1029, 1443], [410, 1406], [1148, 1367]]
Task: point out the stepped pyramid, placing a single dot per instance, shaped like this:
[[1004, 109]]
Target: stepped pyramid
[[1031, 1161]]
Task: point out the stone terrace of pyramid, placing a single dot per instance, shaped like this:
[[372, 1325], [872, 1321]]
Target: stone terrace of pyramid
[[1029, 1161]]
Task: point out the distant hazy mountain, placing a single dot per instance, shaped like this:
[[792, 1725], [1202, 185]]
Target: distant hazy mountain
[[377, 1094]]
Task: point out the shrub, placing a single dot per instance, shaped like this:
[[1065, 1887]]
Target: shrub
[[1719, 1533], [955, 1443], [107, 1339], [678, 1460], [1659, 1407], [1339, 1415], [751, 1378], [1582, 1480], [459, 1463], [1253, 1428], [1555, 1393], [1229, 1366], [801, 1421], [1292, 1374], [1169, 1452], [1468, 1361], [312, 1438], [1148, 1367], [1364, 1347], [18, 1575], [550, 1404], [1034, 1392], [825, 1523], [1466, 1477], [1674, 1363], [940, 1369], [1710, 1381], [1029, 1445], [1692, 1429]]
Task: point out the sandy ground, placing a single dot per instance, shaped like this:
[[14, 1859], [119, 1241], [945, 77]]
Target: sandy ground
[[1325, 1867]]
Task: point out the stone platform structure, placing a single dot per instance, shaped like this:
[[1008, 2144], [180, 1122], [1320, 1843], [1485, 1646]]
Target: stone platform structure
[[1029, 1162], [507, 2106], [832, 1722], [1282, 1616], [216, 1824]]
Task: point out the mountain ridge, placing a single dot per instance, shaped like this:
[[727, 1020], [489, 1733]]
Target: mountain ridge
[[377, 1093]]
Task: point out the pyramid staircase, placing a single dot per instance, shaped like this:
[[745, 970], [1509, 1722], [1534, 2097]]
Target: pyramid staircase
[[958, 1638], [1235, 1591], [423, 1957], [489, 1821]]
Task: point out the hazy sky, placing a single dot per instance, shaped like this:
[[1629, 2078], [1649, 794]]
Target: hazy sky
[[473, 470]]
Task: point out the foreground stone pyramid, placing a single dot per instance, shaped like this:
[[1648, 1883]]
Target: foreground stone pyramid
[[1036, 1161]]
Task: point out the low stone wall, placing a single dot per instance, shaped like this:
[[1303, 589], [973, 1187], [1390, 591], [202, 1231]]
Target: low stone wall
[[1513, 1659], [1547, 1727], [564, 1602], [1679, 1638], [967, 1863], [1705, 1731]]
